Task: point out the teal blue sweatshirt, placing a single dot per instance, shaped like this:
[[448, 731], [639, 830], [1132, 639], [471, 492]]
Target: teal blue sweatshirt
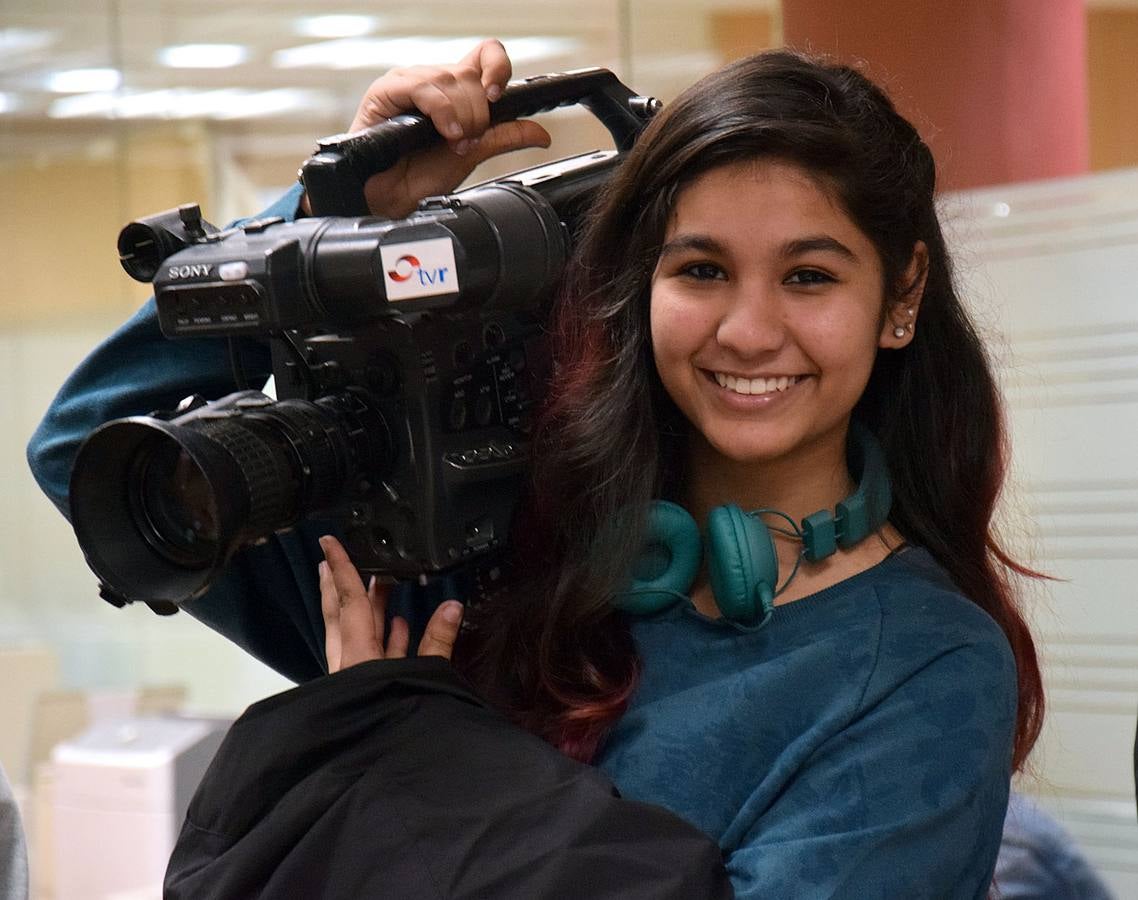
[[857, 745]]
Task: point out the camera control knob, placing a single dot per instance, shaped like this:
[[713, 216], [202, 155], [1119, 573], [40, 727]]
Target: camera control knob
[[483, 409], [493, 335], [458, 413]]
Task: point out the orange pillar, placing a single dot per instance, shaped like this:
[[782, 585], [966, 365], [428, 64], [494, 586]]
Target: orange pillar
[[998, 88]]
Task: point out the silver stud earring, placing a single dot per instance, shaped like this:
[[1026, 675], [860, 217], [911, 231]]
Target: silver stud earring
[[909, 311], [899, 331]]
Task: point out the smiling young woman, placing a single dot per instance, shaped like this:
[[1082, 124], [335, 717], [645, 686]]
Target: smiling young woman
[[760, 315], [766, 270]]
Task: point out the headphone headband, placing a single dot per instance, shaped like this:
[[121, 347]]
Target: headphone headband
[[863, 511]]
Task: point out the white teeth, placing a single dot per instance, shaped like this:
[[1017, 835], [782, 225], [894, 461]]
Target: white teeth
[[756, 385]]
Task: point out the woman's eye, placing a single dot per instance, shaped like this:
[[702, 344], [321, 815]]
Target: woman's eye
[[808, 277], [704, 271]]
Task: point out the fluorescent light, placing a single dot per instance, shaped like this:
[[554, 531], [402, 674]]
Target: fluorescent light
[[536, 48], [16, 40], [203, 56], [186, 103], [336, 26], [379, 53], [82, 105], [255, 104], [82, 81]]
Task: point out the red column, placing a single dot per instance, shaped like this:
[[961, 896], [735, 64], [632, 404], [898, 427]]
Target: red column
[[998, 88]]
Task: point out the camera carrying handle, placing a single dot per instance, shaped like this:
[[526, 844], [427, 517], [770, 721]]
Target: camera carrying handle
[[334, 176]]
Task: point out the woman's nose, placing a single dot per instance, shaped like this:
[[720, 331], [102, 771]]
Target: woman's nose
[[752, 323]]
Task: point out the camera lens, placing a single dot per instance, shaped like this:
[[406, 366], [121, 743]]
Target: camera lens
[[173, 505], [160, 505]]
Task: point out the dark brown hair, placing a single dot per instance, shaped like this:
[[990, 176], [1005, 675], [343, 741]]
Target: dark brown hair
[[551, 650]]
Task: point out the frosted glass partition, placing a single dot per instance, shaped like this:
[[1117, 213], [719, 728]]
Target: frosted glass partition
[[1050, 268]]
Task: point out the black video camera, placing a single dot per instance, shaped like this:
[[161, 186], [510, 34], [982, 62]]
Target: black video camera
[[408, 356]]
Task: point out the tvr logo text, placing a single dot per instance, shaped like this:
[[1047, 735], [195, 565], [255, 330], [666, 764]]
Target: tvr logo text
[[408, 267]]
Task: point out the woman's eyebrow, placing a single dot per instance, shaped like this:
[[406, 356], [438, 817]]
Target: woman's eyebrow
[[701, 243], [704, 243], [821, 242]]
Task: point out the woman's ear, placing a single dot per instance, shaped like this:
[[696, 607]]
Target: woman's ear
[[900, 322]]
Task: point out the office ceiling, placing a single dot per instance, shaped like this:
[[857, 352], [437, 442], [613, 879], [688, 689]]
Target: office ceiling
[[68, 67]]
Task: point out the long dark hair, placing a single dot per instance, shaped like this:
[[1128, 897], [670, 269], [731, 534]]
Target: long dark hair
[[551, 650]]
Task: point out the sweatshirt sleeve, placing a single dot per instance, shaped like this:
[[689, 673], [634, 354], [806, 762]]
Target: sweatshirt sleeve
[[136, 371], [267, 601], [908, 800]]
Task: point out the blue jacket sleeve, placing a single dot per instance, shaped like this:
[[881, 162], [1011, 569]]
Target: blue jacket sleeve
[[268, 601], [907, 801]]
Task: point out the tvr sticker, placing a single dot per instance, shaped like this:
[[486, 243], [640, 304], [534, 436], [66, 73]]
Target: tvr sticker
[[419, 269]]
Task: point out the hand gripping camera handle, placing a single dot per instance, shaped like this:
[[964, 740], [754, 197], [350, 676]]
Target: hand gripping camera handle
[[334, 176]]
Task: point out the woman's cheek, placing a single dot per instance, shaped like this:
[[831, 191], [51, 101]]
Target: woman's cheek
[[679, 326]]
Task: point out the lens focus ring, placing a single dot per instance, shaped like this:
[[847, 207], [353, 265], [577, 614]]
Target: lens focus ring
[[269, 476]]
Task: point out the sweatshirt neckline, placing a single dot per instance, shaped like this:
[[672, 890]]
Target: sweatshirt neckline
[[804, 606]]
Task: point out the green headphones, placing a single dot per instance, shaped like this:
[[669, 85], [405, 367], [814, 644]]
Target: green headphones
[[741, 562]]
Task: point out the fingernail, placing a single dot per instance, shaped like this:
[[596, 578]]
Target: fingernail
[[452, 612], [371, 583], [493, 92], [454, 130], [461, 147], [322, 569]]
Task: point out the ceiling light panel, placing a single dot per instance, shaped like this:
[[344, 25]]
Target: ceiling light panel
[[336, 26], [378, 53], [23, 40], [186, 103], [203, 56], [82, 81]]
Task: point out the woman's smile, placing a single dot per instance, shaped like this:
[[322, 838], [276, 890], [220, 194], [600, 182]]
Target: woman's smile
[[754, 394], [756, 384]]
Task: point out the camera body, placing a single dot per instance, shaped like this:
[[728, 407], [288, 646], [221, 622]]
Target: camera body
[[408, 359]]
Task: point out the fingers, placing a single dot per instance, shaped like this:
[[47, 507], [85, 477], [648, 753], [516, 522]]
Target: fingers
[[330, 609], [355, 617], [507, 137], [377, 600], [442, 630], [356, 622], [492, 63], [399, 638], [396, 192], [452, 97], [455, 98]]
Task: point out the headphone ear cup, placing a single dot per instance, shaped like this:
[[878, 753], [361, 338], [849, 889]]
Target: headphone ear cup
[[742, 565], [667, 565]]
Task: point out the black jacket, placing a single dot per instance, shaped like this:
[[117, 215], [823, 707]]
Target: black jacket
[[392, 779]]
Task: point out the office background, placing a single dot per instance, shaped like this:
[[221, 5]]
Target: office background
[[112, 109]]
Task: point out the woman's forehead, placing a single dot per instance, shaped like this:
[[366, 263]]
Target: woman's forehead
[[764, 192]]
